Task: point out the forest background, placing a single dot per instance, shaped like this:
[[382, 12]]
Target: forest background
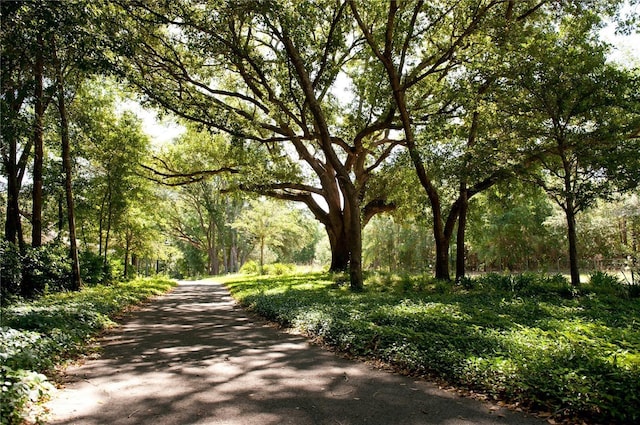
[[407, 137]]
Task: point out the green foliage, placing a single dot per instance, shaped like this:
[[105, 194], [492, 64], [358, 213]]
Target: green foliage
[[523, 338], [393, 282], [35, 336], [250, 267], [276, 269], [272, 224], [193, 262], [604, 280], [606, 284], [397, 243], [46, 269], [93, 269], [10, 269], [508, 231], [22, 390]]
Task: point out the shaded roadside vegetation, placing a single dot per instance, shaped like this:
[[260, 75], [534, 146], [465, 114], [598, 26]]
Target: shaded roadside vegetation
[[527, 339], [38, 335]]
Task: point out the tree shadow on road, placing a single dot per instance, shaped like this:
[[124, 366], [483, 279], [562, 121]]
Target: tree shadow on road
[[194, 356]]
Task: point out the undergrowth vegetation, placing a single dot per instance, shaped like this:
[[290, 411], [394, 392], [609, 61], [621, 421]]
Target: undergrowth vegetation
[[278, 269], [36, 336], [528, 339]]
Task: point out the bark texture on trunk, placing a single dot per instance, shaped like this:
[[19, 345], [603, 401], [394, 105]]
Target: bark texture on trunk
[[38, 152], [573, 248], [460, 244], [76, 282]]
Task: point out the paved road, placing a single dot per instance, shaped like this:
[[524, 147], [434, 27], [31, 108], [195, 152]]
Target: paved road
[[195, 357]]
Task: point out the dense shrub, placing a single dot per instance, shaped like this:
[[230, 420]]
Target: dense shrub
[[21, 393], [10, 270], [45, 269], [278, 269], [529, 284], [604, 280], [35, 271], [394, 282], [496, 281], [607, 284], [93, 269], [250, 267]]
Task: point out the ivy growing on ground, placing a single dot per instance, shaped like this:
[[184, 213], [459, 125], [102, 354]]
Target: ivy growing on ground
[[528, 339]]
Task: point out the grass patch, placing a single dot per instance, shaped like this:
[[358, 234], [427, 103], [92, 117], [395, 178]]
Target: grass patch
[[528, 339], [36, 336]]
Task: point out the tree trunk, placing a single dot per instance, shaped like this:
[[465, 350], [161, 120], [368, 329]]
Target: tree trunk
[[76, 282], [210, 254], [126, 259], [634, 255], [214, 264], [462, 224], [101, 224], [12, 225], [60, 215], [463, 199], [442, 240], [339, 245], [573, 246], [233, 259], [356, 280], [442, 257], [36, 215], [14, 167], [351, 212], [261, 255], [108, 230], [442, 233], [570, 209], [212, 250]]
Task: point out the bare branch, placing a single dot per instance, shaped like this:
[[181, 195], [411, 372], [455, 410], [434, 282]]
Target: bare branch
[[166, 178]]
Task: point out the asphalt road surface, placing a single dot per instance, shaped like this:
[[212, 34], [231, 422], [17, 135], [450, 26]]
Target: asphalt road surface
[[194, 356]]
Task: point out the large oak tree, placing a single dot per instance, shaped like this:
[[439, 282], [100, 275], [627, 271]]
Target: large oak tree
[[267, 74]]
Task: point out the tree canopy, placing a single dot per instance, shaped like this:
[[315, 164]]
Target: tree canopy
[[350, 109]]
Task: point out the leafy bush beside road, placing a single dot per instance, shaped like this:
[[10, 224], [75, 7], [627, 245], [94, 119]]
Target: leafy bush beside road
[[35, 336], [532, 340]]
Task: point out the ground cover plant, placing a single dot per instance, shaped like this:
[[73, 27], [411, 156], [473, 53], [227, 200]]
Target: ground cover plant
[[528, 339], [36, 336]]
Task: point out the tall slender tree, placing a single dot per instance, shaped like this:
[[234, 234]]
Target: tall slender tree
[[39, 110], [76, 282], [17, 86], [269, 224]]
